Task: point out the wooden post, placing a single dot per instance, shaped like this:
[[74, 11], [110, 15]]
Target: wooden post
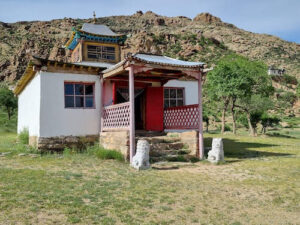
[[132, 117], [101, 102], [201, 144]]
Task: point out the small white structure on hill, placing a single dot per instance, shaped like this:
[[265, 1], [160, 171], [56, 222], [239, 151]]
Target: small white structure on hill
[[275, 72]]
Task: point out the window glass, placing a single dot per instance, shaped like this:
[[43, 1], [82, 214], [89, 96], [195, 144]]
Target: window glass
[[78, 89], [89, 102], [173, 97], [180, 102], [79, 95], [69, 101], [69, 89], [166, 103], [166, 93], [89, 89], [79, 101], [101, 52], [172, 103], [179, 93], [172, 93]]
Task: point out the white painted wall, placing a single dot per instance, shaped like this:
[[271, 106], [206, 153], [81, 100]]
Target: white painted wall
[[190, 87], [55, 119], [29, 107]]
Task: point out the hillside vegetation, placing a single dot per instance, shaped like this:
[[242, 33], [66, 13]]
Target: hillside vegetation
[[205, 38]]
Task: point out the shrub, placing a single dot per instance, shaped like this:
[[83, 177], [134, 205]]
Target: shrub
[[290, 79], [24, 136]]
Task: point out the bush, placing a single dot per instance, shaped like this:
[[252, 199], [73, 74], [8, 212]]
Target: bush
[[24, 136], [290, 79]]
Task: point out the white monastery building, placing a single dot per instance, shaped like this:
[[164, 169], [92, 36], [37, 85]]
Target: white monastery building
[[99, 97]]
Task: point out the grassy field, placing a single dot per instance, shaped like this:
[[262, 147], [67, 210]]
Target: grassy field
[[258, 184]]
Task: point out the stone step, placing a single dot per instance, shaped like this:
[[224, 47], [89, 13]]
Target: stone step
[[161, 139], [169, 146], [165, 152], [168, 158]]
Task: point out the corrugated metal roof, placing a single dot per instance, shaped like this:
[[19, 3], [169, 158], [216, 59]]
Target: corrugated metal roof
[[164, 60], [95, 64], [159, 60], [98, 29]]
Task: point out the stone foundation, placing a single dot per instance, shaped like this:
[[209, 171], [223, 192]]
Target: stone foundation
[[190, 139], [59, 143], [116, 140]]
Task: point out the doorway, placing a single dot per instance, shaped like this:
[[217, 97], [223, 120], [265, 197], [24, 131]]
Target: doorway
[[122, 95]]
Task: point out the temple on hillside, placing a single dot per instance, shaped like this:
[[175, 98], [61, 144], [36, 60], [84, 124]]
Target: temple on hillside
[[99, 97]]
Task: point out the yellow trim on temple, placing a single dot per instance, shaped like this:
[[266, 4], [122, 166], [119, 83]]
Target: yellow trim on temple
[[25, 79], [71, 39]]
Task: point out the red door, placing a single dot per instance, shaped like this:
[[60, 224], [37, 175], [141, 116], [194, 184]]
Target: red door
[[155, 108]]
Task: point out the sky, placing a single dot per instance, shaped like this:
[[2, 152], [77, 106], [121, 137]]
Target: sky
[[276, 17]]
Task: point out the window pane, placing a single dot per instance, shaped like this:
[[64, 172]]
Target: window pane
[[92, 56], [89, 102], [179, 93], [78, 89], [180, 102], [172, 103], [166, 104], [89, 89], [172, 93], [79, 102], [91, 47], [69, 101], [69, 89], [166, 93]]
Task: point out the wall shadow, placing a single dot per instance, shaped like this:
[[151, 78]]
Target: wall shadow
[[243, 150]]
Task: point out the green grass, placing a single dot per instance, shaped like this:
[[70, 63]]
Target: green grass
[[7, 125], [258, 184]]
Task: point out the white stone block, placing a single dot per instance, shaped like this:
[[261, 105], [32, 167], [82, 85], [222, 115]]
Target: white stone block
[[141, 159], [216, 154]]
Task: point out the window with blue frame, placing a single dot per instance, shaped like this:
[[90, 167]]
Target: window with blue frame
[[79, 95]]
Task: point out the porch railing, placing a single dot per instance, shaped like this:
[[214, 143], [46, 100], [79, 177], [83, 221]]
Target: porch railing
[[182, 117], [116, 116]]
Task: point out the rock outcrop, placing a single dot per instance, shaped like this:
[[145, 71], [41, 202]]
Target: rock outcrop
[[205, 38]]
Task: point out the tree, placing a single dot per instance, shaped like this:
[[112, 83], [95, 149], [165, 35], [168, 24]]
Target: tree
[[268, 121], [8, 101], [227, 82], [257, 100]]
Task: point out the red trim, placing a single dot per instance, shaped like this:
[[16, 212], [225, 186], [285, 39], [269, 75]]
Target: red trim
[[155, 108], [84, 96], [114, 90], [136, 84]]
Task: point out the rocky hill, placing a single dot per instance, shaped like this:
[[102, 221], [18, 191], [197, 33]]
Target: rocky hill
[[204, 38]]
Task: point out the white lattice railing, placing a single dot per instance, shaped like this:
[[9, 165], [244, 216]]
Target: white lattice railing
[[182, 117], [116, 116]]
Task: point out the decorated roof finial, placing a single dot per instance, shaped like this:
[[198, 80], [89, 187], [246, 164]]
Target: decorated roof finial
[[94, 15]]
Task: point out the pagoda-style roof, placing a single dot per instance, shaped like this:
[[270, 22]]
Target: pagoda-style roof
[[98, 29], [157, 60], [95, 32], [156, 67]]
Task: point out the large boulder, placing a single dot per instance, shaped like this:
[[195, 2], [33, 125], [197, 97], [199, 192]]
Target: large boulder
[[141, 159], [216, 154]]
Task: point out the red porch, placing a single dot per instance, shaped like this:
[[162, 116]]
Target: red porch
[[133, 97]]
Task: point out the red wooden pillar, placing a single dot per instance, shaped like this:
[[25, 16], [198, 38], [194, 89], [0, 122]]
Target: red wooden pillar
[[201, 144], [101, 102], [132, 121]]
